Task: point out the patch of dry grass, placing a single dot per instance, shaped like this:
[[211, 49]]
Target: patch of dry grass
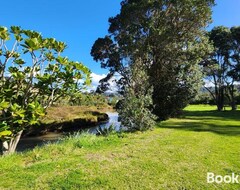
[[68, 113]]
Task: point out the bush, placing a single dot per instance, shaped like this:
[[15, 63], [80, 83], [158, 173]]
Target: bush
[[134, 112]]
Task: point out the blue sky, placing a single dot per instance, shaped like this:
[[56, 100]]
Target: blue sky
[[79, 23]]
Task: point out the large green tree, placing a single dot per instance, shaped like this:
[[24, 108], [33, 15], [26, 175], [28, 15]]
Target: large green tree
[[234, 63], [168, 36], [222, 68], [33, 75]]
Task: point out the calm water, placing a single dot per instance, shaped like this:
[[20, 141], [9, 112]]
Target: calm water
[[31, 142], [113, 120]]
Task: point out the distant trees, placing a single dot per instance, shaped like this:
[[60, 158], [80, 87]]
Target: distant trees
[[168, 38], [33, 75], [91, 99], [223, 66]]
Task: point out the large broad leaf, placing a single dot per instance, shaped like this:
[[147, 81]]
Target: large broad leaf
[[4, 33], [16, 29], [19, 61], [20, 113], [59, 46], [32, 44], [4, 105], [62, 60], [5, 133]]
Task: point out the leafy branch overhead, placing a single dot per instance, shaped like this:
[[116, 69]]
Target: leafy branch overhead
[[33, 75]]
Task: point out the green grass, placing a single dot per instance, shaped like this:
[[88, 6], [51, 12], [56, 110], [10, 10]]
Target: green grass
[[177, 154]]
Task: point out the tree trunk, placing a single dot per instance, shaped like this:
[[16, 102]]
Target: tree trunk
[[233, 105], [9, 147], [230, 95], [220, 99], [220, 107]]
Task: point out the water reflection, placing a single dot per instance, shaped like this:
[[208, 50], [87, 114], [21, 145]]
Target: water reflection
[[113, 120]]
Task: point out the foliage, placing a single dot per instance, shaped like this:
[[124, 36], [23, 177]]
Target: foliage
[[113, 100], [88, 99], [135, 113], [33, 75], [106, 131], [169, 43], [223, 66], [203, 97], [134, 109]]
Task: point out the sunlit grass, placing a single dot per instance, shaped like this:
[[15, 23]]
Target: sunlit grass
[[176, 155], [67, 113]]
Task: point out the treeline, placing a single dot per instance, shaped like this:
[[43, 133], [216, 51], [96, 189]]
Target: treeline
[[222, 67], [204, 97], [89, 99]]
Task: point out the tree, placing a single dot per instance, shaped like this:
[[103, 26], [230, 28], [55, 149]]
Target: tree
[[170, 35], [27, 89], [135, 108], [222, 67], [234, 62]]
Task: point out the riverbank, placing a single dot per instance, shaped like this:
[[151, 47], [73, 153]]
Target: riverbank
[[69, 118], [28, 143], [177, 154]]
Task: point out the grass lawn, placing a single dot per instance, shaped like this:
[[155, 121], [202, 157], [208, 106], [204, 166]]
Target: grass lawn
[[177, 154]]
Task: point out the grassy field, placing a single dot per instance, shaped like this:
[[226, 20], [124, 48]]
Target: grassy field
[[177, 154]]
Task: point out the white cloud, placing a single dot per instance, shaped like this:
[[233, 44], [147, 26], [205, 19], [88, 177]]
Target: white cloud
[[208, 83], [95, 82], [96, 78]]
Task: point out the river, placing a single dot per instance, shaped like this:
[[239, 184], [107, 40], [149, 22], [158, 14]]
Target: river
[[31, 142]]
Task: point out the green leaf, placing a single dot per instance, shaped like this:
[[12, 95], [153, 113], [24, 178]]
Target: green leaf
[[32, 44], [4, 33], [62, 60], [19, 61], [88, 81], [20, 113], [59, 46], [33, 122], [5, 133], [20, 121], [16, 30], [18, 38], [15, 106], [4, 105]]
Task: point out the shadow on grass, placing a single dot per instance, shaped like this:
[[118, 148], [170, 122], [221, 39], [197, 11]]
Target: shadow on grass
[[224, 123]]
